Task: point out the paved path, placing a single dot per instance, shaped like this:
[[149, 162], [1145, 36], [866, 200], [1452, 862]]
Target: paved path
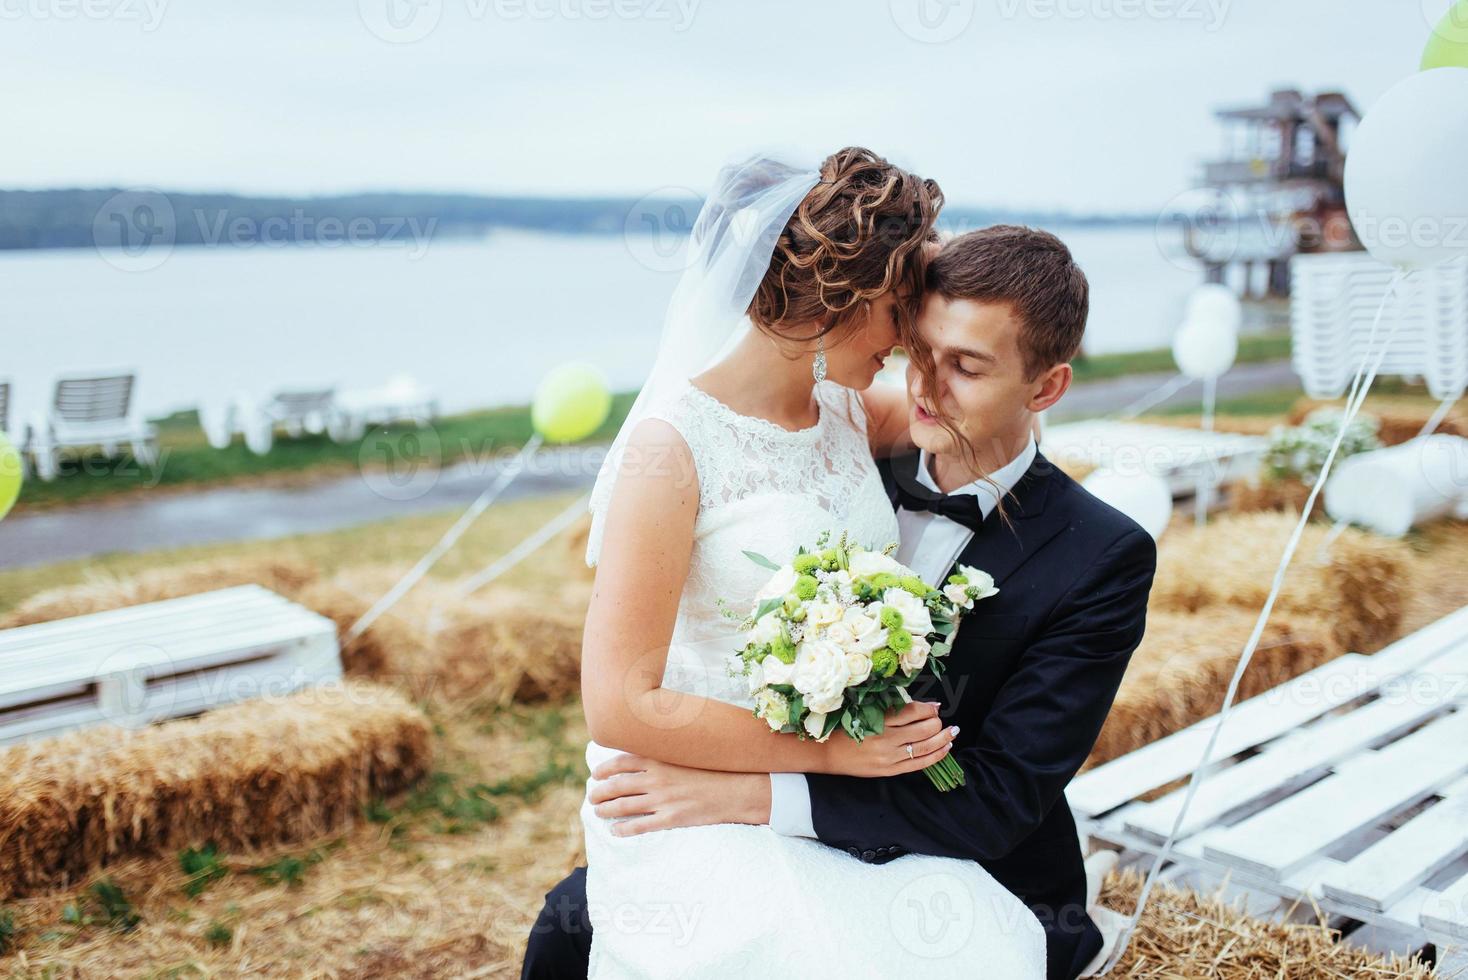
[[171, 520]]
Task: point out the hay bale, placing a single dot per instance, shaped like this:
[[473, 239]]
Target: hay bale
[[1361, 587], [498, 645], [1185, 934], [1180, 672], [1282, 496], [1401, 418], [103, 591], [575, 540], [244, 776]]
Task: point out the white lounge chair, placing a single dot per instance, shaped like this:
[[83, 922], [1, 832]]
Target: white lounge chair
[[145, 663], [342, 415], [91, 411]]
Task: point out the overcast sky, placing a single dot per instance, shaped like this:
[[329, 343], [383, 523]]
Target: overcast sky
[[1093, 105]]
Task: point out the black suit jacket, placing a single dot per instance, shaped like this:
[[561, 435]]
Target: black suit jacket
[[1029, 681]]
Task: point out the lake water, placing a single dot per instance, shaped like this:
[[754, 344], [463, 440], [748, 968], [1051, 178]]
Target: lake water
[[479, 321]]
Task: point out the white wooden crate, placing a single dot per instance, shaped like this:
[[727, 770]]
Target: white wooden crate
[[158, 660], [1346, 787]]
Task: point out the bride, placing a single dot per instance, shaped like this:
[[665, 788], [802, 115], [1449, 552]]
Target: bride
[[756, 431]]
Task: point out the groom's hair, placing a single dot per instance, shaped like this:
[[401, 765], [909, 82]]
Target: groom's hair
[[1029, 269]]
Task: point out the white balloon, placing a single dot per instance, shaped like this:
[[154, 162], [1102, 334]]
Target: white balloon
[[1205, 349], [1215, 303], [1405, 190], [1144, 497], [1395, 489]]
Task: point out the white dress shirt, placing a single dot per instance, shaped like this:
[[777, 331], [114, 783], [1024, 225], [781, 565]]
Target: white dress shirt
[[930, 545]]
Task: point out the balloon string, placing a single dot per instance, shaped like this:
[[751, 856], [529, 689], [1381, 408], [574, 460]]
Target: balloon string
[[1155, 398], [1360, 386], [1437, 417], [525, 548], [449, 539]]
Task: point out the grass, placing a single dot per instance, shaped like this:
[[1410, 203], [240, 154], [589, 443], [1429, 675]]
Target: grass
[[187, 460]]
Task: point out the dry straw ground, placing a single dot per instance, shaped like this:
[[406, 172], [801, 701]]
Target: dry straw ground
[[444, 880]]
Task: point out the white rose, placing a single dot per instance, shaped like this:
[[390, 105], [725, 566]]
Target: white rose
[[859, 666], [842, 635], [872, 562], [814, 722], [868, 634], [821, 674], [912, 660], [823, 613], [840, 582], [782, 582], [766, 629], [915, 617], [978, 579], [776, 671], [958, 595]]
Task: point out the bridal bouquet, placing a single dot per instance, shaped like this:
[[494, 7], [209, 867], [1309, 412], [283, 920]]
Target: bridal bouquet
[[839, 633]]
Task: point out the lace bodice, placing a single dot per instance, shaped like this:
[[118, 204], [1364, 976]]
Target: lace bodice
[[765, 489]]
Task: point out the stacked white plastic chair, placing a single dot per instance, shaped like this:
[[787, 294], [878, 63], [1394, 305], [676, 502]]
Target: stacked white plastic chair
[[1336, 296]]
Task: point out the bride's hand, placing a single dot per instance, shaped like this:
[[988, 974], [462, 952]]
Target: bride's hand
[[916, 724]]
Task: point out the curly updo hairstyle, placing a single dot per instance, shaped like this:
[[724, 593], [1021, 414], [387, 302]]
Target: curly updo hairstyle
[[856, 235]]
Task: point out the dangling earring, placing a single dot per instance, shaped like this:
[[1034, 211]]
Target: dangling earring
[[818, 369]]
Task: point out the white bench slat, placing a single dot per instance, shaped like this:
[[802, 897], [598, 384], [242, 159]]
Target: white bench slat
[[1387, 871], [1448, 910], [37, 632], [189, 654], [1251, 722], [1280, 839], [1294, 758], [79, 652], [21, 643]]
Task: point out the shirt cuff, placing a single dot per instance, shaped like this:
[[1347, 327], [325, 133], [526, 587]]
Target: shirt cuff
[[790, 805]]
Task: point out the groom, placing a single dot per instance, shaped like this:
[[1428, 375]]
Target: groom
[[1034, 669]]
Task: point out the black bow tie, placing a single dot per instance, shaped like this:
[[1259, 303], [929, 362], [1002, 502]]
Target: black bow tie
[[960, 507]]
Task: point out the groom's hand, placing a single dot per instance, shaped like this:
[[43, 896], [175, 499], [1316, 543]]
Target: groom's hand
[[657, 795]]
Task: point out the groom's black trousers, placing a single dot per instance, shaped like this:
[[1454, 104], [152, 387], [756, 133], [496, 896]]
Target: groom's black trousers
[[560, 940]]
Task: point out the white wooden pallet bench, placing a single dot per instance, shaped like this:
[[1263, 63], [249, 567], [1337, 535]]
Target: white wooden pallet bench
[[1178, 455], [1346, 787], [159, 660]]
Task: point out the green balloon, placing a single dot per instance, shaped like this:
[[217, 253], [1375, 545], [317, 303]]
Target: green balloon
[[9, 475], [571, 403], [1448, 46]]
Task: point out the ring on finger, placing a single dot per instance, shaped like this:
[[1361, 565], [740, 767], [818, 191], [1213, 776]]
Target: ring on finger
[[908, 746]]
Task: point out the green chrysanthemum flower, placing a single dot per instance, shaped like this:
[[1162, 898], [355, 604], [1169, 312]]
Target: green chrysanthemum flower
[[805, 587], [884, 662], [805, 564], [829, 561], [957, 579], [891, 618], [883, 581], [914, 585], [899, 640]]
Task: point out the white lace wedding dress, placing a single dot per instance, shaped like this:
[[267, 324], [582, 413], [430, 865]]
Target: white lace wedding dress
[[740, 901]]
